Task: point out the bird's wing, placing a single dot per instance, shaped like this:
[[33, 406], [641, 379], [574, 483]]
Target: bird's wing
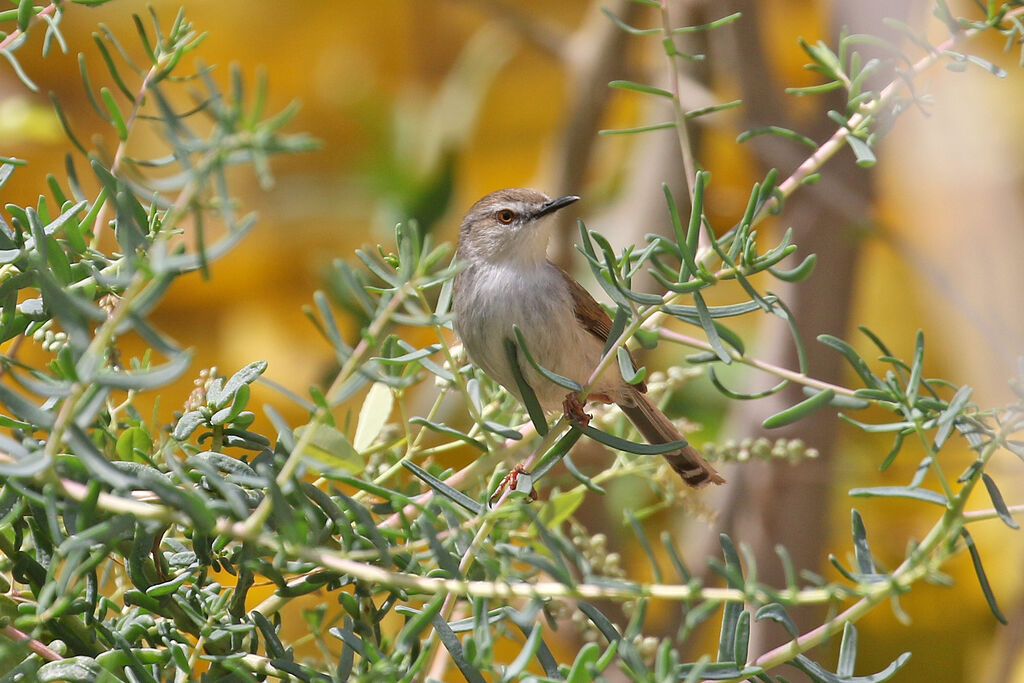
[[592, 316]]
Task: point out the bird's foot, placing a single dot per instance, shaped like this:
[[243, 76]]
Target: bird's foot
[[511, 483], [572, 407]]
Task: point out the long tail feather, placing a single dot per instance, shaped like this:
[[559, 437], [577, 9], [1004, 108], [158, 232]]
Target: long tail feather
[[657, 428]]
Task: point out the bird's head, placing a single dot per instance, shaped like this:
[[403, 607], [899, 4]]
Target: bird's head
[[505, 225]]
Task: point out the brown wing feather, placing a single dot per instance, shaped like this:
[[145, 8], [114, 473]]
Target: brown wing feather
[[593, 317]]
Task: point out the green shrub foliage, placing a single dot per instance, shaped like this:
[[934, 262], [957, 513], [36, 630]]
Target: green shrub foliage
[[132, 550]]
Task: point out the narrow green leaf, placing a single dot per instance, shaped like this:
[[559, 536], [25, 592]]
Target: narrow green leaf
[[947, 420], [142, 380], [708, 325], [729, 393], [409, 357], [865, 563], [900, 492], [800, 410], [638, 129], [112, 67], [799, 273], [696, 216], [682, 243], [847, 651], [564, 382], [640, 87], [630, 29], [444, 489], [998, 503], [620, 444], [711, 109], [556, 452], [776, 130], [914, 381], [603, 624], [25, 13], [859, 366], [777, 613], [979, 570], [442, 428], [526, 393], [727, 19], [988, 66], [742, 645]]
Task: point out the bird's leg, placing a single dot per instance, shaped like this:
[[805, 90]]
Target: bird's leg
[[572, 407]]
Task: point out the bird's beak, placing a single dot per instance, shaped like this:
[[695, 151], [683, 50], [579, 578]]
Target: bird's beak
[[554, 205]]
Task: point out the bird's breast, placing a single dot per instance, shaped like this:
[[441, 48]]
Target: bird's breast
[[492, 299]]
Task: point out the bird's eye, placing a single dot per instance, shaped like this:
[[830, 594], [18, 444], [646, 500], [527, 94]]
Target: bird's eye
[[505, 216]]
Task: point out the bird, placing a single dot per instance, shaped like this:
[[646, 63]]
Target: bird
[[505, 280]]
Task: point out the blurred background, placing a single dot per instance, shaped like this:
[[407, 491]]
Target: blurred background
[[422, 106]]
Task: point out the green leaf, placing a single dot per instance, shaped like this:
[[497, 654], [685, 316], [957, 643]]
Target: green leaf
[[630, 29], [629, 374], [442, 428], [80, 669], [998, 503], [454, 495], [115, 113], [683, 242], [914, 381], [865, 563], [454, 647], [408, 638], [800, 410], [620, 444], [865, 156], [143, 379], [988, 66], [708, 325], [776, 130], [711, 109], [847, 651], [947, 420], [564, 382], [638, 129], [131, 440], [26, 11], [526, 393], [979, 570], [900, 492], [799, 273], [861, 368], [742, 644], [640, 87], [583, 667], [187, 424], [219, 395], [561, 506], [330, 448]]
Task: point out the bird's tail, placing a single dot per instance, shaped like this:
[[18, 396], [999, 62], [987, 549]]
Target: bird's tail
[[657, 428]]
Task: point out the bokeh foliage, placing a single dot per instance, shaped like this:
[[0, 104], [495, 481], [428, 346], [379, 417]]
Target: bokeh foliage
[[138, 550]]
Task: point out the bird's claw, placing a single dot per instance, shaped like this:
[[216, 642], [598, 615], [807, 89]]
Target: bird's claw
[[510, 483], [572, 408]]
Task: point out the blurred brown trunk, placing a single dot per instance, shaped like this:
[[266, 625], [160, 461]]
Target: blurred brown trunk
[[767, 504]]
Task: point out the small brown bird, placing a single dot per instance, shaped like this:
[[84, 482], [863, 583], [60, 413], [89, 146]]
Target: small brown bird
[[507, 280]]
